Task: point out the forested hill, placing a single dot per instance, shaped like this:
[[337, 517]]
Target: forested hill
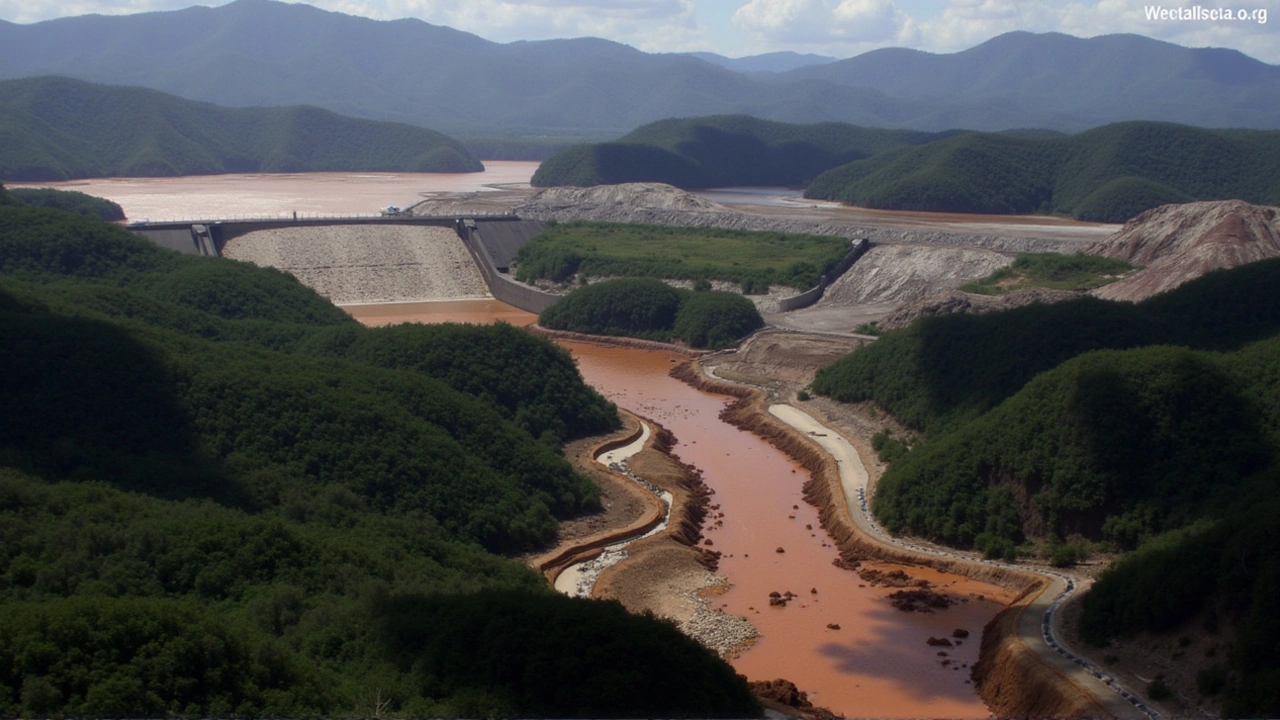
[[1059, 431], [220, 496], [720, 151], [1108, 174], [58, 129]]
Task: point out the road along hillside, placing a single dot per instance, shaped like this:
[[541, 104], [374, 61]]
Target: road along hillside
[[1025, 670]]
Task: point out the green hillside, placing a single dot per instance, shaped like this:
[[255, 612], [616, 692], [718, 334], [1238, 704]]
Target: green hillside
[[1059, 430], [756, 260], [650, 309], [946, 369], [69, 200], [1108, 174], [220, 496], [719, 151], [59, 129]]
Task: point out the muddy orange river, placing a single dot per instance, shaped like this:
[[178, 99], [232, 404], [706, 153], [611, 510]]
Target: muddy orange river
[[877, 664]]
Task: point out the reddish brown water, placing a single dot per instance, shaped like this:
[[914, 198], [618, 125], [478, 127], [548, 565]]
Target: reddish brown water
[[471, 312], [271, 195], [877, 664]]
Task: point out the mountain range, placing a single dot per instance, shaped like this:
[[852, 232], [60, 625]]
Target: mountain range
[[263, 52]]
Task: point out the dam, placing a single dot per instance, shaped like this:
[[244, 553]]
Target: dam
[[373, 259]]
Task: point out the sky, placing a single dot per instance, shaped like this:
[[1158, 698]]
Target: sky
[[736, 28]]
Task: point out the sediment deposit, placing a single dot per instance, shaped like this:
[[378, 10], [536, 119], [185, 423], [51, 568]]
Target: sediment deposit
[[900, 273], [1177, 243], [367, 263], [658, 204]]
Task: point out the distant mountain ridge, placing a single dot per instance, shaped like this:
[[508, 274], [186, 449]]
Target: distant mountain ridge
[[257, 52], [1108, 174], [721, 150], [59, 129]]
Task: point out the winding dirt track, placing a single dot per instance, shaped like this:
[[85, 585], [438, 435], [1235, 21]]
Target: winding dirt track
[[1034, 613]]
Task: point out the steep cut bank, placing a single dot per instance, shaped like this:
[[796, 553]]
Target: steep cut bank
[[1177, 243], [351, 264]]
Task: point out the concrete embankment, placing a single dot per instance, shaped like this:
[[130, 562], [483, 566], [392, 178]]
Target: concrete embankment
[[367, 263]]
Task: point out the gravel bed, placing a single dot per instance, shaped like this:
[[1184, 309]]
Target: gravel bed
[[351, 264]]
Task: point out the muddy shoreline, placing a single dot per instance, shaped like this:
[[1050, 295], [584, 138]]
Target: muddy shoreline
[[1010, 678]]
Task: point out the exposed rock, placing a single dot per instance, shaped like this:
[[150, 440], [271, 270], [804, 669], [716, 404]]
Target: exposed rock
[[833, 626], [1177, 243], [956, 301], [938, 642], [921, 600], [785, 693], [893, 578], [899, 273], [960, 633]]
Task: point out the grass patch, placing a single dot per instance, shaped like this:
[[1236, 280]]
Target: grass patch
[[1051, 270], [753, 259]]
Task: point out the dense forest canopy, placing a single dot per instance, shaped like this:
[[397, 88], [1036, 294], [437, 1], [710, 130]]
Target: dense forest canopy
[[60, 129], [221, 496], [1108, 174], [720, 151], [69, 200], [1091, 425], [653, 310], [754, 259]]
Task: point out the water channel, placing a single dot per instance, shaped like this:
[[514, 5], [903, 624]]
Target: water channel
[[878, 663]]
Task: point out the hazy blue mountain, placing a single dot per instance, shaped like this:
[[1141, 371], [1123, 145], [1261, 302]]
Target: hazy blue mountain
[[59, 128], [1119, 77], [262, 52], [775, 62]]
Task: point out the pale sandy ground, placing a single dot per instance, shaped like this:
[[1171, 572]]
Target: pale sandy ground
[[367, 263]]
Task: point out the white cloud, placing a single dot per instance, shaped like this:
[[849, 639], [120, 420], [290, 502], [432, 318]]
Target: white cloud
[[819, 24], [646, 24], [848, 27]]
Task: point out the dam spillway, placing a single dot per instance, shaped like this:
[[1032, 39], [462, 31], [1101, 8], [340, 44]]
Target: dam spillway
[[373, 263]]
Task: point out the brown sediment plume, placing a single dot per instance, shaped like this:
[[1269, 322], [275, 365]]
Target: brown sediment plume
[[1013, 680], [613, 341], [824, 491]]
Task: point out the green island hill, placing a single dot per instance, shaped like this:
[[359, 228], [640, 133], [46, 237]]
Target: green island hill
[[220, 496], [650, 309], [61, 129]]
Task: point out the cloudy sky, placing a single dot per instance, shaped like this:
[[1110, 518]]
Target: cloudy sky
[[840, 28]]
